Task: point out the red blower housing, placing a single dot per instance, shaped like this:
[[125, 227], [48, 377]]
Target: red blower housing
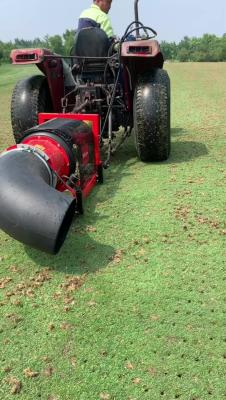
[[46, 176]]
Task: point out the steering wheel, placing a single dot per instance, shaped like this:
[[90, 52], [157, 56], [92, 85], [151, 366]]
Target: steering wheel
[[141, 27]]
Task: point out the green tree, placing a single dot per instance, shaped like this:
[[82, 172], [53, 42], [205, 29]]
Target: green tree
[[56, 44], [223, 48], [69, 39], [183, 55], [169, 50]]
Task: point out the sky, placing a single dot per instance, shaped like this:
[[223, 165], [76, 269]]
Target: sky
[[172, 19]]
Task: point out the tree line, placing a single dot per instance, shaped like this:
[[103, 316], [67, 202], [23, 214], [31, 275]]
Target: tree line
[[203, 49], [209, 47], [58, 44]]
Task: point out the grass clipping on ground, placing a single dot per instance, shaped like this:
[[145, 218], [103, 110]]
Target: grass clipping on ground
[[133, 307]]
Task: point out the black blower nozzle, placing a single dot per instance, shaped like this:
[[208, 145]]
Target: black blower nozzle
[[32, 211]]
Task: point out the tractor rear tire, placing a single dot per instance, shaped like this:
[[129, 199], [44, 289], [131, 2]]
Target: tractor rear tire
[[152, 116], [30, 97]]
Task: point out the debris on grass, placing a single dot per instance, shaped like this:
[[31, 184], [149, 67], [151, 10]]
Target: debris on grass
[[14, 269], [66, 326], [136, 381], [152, 371], [146, 240], [155, 317], [4, 282], [105, 396], [28, 288], [199, 181], [90, 228], [73, 361], [28, 373], [129, 365], [117, 257], [67, 309], [69, 300], [15, 384], [41, 277], [48, 372], [73, 283], [57, 295], [17, 302], [182, 212], [14, 318], [142, 252], [91, 303], [215, 224], [51, 327]]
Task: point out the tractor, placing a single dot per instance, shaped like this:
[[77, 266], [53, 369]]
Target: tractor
[[63, 116]]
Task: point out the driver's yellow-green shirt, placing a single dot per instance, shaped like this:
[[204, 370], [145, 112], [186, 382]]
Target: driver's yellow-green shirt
[[94, 13]]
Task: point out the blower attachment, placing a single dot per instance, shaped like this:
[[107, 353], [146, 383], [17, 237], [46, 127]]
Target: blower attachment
[[42, 181]]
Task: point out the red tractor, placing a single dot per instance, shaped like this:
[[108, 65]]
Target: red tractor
[[62, 117]]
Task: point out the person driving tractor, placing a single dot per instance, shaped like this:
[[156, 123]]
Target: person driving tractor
[[97, 17]]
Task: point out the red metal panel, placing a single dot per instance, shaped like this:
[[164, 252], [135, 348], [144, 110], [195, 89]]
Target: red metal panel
[[152, 45], [89, 186], [58, 159], [52, 68], [28, 56], [95, 120]]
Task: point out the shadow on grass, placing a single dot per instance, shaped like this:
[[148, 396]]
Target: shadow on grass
[[179, 132], [81, 253], [184, 151]]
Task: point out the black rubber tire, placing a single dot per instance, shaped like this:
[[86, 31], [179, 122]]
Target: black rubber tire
[[152, 116], [30, 97]]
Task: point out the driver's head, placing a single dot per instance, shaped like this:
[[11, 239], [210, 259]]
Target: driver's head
[[104, 5]]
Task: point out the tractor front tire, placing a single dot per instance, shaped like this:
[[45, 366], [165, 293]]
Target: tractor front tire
[[30, 97], [152, 116]]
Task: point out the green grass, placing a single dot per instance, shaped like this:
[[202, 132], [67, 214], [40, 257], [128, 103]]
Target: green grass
[[133, 307]]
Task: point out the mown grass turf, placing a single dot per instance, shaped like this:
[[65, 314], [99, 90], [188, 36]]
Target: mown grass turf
[[133, 307]]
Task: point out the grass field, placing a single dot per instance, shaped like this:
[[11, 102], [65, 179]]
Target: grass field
[[134, 306]]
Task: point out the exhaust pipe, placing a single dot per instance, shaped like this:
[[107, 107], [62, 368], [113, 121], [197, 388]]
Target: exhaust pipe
[[33, 206], [136, 17]]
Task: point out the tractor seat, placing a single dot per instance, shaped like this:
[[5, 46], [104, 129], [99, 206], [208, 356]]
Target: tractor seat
[[91, 42]]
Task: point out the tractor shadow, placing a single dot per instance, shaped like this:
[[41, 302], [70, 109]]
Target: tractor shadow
[[83, 250], [179, 132], [185, 150], [79, 254]]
